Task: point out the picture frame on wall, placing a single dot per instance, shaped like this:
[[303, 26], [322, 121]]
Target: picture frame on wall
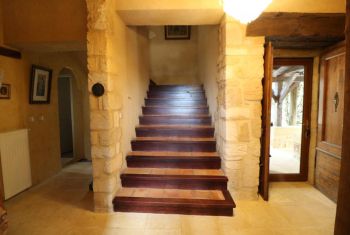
[[40, 85], [5, 91], [177, 32]]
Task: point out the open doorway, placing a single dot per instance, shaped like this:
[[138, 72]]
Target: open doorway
[[290, 119], [65, 116]]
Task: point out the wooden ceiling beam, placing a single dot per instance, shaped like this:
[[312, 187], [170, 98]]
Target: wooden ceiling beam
[[288, 44], [298, 25]]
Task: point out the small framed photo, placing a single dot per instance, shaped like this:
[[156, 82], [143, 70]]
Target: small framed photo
[[177, 32], [5, 91], [40, 85]]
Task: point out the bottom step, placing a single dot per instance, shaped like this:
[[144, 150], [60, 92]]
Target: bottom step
[[171, 201]]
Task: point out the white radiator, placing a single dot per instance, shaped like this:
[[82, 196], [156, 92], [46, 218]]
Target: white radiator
[[15, 162]]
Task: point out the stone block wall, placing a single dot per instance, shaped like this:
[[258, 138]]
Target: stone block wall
[[105, 111], [240, 69]]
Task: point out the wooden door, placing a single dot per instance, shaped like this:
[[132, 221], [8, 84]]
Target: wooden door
[[330, 121], [303, 147], [342, 225], [266, 120]]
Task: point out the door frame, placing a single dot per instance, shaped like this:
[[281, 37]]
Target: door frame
[[265, 124], [305, 143]]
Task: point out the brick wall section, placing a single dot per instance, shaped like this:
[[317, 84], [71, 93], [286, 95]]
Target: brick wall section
[[240, 69], [105, 111]]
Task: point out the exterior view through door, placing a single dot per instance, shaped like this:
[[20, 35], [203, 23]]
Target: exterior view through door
[[290, 111]]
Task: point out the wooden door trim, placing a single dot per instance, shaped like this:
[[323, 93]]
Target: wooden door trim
[[304, 159], [266, 120]]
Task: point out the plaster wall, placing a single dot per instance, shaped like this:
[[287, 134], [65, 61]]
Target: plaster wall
[[42, 21], [196, 12], [314, 105], [275, 6], [1, 25], [208, 54], [173, 61], [136, 83], [41, 120]]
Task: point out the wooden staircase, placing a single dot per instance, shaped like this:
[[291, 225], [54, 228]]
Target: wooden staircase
[[174, 167]]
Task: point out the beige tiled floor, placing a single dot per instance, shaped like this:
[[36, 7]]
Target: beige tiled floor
[[63, 205]]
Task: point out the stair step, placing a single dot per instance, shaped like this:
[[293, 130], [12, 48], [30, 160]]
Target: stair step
[[180, 144], [175, 119], [174, 110], [169, 201], [186, 95], [175, 102], [176, 88], [174, 178], [181, 160], [174, 131], [169, 153], [156, 93], [174, 166]]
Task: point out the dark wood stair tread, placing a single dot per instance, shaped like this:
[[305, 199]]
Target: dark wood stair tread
[[179, 91], [167, 201], [173, 139], [182, 160], [170, 154], [174, 172], [178, 106], [174, 166], [168, 178], [176, 87], [178, 99], [181, 127], [171, 193], [178, 115]]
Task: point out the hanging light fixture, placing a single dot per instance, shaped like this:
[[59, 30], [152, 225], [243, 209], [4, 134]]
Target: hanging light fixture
[[245, 10]]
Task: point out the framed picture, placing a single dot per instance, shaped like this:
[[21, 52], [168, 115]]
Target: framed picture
[[5, 91], [40, 85], [177, 32]]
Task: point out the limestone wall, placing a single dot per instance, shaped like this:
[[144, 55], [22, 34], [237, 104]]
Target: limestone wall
[[240, 70], [118, 59]]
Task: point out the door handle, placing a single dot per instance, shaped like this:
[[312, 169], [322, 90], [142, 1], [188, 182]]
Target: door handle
[[307, 129], [336, 101], [307, 132]]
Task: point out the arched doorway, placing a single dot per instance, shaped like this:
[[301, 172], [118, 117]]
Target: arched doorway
[[65, 110]]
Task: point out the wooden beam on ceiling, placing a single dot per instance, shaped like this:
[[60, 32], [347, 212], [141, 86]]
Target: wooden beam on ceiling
[[298, 25], [10, 53], [303, 42], [291, 85], [285, 70]]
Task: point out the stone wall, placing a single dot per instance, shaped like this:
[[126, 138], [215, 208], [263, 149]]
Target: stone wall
[[118, 59], [241, 69], [105, 111]]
